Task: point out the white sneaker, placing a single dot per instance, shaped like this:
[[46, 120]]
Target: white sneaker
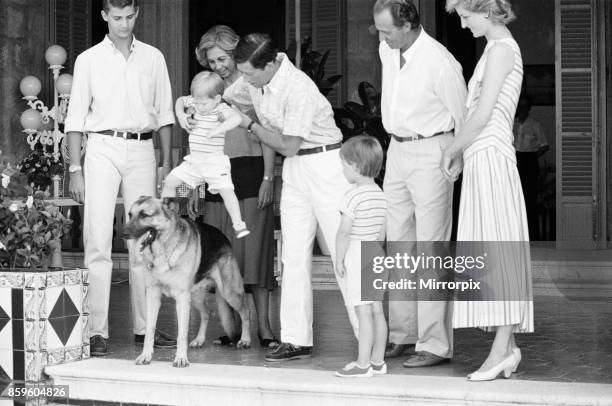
[[352, 370], [379, 369]]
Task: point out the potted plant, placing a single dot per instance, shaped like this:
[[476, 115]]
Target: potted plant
[[43, 312], [43, 168]]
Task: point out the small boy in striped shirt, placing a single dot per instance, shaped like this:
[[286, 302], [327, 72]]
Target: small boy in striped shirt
[[364, 213], [206, 162]]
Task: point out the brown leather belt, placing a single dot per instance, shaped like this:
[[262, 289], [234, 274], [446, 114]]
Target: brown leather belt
[[127, 135], [419, 136], [316, 150]]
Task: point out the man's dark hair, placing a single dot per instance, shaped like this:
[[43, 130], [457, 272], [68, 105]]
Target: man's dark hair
[[256, 48], [107, 4], [402, 11]]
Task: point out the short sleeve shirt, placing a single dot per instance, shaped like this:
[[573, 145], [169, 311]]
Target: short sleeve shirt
[[528, 136], [366, 205], [293, 105], [199, 140]]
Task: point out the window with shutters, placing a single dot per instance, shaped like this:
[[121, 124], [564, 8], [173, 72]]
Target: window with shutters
[[324, 21], [71, 27], [580, 206]]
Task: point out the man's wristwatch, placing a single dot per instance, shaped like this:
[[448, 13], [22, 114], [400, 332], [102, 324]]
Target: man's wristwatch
[[250, 126], [74, 168], [268, 178]]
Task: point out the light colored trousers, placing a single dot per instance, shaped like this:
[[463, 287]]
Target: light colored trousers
[[419, 209], [313, 186], [111, 162]]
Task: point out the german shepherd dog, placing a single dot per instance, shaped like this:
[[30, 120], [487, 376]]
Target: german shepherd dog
[[184, 260]]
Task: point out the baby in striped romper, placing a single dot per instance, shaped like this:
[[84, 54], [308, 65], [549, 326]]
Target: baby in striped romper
[[206, 162]]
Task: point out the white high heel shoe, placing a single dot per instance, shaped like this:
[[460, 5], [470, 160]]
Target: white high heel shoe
[[517, 354], [505, 367]]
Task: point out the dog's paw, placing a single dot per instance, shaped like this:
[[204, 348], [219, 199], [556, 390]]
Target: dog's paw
[[197, 342], [180, 362], [144, 359], [243, 344]]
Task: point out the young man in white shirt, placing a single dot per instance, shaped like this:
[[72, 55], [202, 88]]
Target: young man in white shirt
[[120, 94], [423, 104], [296, 120]]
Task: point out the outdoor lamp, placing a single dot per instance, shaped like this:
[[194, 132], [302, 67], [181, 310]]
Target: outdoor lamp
[[55, 56], [30, 87]]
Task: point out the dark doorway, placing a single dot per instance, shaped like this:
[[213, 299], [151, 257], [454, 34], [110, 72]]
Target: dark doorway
[[99, 27], [458, 41], [242, 16], [464, 48]]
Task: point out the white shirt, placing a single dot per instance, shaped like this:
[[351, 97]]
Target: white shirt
[[110, 92], [427, 95], [292, 104], [528, 135]]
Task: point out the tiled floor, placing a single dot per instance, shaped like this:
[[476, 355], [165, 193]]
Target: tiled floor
[[572, 340]]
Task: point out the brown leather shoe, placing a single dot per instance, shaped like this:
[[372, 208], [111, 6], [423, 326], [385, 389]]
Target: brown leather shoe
[[397, 350], [424, 359]]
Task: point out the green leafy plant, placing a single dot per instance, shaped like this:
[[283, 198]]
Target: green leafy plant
[[313, 64], [30, 228]]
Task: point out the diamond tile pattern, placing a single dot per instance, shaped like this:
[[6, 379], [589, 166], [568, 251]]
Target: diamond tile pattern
[[41, 321], [4, 318], [64, 316]]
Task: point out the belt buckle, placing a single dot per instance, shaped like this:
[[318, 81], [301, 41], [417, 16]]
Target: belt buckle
[[124, 136]]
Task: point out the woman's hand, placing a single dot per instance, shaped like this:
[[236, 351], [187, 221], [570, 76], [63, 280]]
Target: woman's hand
[[451, 163], [193, 205], [266, 194], [185, 119]]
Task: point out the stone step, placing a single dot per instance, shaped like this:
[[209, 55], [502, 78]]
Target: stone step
[[122, 381]]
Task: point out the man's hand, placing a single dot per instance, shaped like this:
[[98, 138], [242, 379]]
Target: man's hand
[[340, 268], [245, 120], [266, 194], [76, 188], [162, 172], [451, 163], [193, 203]]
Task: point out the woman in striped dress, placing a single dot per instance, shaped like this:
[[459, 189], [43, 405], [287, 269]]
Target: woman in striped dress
[[492, 207]]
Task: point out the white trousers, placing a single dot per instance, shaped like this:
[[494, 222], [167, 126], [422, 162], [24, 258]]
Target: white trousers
[[313, 186], [419, 209], [111, 162]]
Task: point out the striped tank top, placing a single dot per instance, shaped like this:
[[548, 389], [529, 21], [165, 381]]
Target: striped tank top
[[497, 133]]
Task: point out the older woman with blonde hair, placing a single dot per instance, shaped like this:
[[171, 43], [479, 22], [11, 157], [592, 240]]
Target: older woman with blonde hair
[[252, 166], [492, 207]]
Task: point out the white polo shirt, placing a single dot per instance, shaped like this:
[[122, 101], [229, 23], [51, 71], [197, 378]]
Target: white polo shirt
[[292, 104], [110, 92], [427, 95]]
